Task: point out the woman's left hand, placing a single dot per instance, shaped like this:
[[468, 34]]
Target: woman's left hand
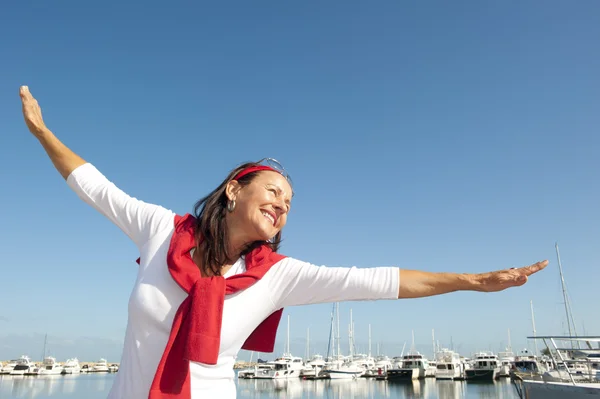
[[503, 279]]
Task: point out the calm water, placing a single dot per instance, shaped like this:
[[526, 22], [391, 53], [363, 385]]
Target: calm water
[[96, 386]]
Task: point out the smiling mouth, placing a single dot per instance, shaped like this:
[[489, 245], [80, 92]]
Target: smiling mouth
[[269, 216]]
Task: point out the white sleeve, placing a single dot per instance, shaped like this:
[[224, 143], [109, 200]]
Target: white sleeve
[[294, 282], [139, 220]]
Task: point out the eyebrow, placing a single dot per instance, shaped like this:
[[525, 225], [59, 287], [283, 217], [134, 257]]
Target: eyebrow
[[280, 191]]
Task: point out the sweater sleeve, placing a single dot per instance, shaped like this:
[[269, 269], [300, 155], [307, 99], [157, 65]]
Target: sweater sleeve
[[139, 220], [294, 282]]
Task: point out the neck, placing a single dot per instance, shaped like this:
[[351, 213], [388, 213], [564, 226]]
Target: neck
[[236, 243]]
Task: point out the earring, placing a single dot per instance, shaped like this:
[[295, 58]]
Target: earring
[[231, 205]]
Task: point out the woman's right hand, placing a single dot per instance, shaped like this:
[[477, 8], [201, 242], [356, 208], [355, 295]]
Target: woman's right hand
[[32, 113]]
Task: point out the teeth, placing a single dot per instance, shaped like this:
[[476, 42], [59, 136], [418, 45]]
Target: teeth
[[268, 215]]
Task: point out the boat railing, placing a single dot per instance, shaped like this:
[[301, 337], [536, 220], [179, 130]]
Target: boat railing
[[554, 349]]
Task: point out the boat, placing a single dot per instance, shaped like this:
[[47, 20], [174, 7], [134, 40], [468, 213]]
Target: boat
[[449, 366], [566, 380], [101, 366], [24, 366], [50, 367], [413, 367], [71, 366], [284, 367], [485, 367], [349, 368], [313, 367], [9, 366], [506, 359], [382, 365]]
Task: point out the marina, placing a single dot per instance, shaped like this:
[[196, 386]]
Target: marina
[[97, 386]]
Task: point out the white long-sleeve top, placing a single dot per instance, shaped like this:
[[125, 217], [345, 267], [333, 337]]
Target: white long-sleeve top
[[156, 296]]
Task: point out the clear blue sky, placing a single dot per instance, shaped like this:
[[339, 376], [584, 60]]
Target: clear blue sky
[[440, 136]]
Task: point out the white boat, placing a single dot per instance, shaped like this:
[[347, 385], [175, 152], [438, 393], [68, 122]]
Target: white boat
[[449, 366], [101, 366], [485, 367], [349, 369], [346, 371], [313, 367], [506, 360], [574, 377], [287, 366], [9, 366], [50, 367], [382, 365], [113, 368], [24, 366], [261, 369], [72, 366]]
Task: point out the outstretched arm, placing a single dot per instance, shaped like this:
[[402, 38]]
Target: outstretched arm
[[417, 284], [64, 160], [139, 220], [293, 282]]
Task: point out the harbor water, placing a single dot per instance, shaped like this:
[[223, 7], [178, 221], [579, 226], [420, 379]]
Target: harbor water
[[97, 386]]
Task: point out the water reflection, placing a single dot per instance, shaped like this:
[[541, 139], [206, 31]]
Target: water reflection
[[371, 389], [55, 386], [96, 386]]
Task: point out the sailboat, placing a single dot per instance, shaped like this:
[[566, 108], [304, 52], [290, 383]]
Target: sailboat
[[577, 375], [349, 369]]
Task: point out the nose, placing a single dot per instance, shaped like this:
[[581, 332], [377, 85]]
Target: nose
[[280, 206]]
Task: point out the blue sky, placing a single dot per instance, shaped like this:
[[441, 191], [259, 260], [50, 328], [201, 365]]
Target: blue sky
[[437, 136]]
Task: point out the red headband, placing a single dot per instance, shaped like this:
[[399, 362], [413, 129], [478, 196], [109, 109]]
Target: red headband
[[251, 169]]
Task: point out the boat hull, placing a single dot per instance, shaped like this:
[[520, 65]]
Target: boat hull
[[403, 375], [557, 390], [481, 375]]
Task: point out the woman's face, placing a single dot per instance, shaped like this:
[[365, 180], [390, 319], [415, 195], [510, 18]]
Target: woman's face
[[261, 207]]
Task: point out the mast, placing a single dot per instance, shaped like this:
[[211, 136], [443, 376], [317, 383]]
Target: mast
[[351, 338], [533, 324], [568, 311], [331, 344], [288, 336], [509, 344], [307, 343], [369, 341], [337, 314], [45, 339], [433, 338]]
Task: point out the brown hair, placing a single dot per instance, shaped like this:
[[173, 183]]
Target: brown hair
[[211, 229]]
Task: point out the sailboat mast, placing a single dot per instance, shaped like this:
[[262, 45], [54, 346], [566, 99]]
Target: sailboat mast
[[351, 338], [288, 335], [44, 354], [369, 341], [337, 314], [433, 340], [533, 324], [307, 344], [564, 290]]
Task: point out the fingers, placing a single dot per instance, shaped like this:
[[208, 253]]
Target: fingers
[[536, 267], [24, 92]]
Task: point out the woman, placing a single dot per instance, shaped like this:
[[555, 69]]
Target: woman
[[213, 283]]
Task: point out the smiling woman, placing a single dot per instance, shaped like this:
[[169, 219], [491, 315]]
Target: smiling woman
[[212, 283]]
